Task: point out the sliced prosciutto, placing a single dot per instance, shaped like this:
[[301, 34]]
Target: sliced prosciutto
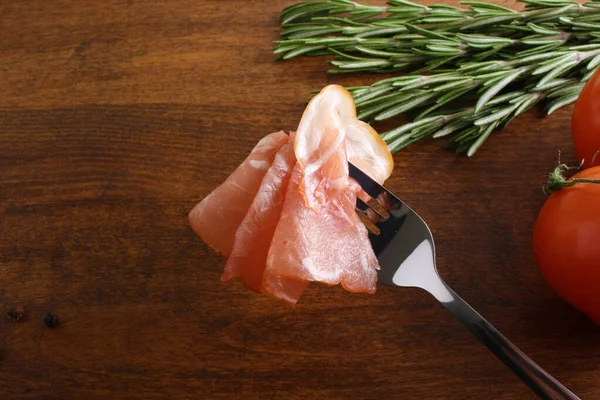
[[216, 218], [319, 237], [327, 244], [286, 216], [248, 257]]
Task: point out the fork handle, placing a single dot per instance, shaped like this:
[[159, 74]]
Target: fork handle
[[534, 376]]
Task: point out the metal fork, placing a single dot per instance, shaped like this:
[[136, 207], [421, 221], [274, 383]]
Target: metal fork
[[404, 247]]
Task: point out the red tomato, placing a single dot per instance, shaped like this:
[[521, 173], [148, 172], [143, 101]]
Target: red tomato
[[566, 243], [585, 123]]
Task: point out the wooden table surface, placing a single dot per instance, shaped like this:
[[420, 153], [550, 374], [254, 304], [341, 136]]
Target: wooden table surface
[[117, 116]]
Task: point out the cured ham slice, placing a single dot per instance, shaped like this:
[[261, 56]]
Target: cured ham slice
[[217, 217], [286, 216], [319, 237], [248, 257], [327, 244]]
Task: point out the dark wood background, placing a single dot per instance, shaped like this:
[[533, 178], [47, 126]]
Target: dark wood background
[[116, 117]]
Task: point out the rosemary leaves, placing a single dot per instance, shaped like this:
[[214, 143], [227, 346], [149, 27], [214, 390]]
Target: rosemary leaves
[[461, 73]]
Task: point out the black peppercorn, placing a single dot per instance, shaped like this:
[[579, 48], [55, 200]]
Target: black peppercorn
[[51, 320]]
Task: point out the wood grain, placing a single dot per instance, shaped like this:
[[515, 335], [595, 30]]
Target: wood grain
[[117, 116]]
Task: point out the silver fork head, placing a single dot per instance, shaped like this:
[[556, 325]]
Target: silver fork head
[[402, 241], [404, 247]]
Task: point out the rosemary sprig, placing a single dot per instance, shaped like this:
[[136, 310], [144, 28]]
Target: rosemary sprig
[[471, 70], [480, 96]]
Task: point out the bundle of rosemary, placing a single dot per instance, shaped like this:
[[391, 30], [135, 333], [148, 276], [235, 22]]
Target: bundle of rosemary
[[461, 72]]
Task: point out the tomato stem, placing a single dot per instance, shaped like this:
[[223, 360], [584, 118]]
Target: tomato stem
[[557, 180]]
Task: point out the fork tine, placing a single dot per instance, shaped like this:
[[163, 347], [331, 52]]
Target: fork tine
[[378, 208], [372, 207], [361, 205], [374, 189], [370, 225], [390, 225]]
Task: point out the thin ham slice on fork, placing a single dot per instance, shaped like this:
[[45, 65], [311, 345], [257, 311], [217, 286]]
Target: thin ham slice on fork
[[248, 258], [286, 216], [217, 217]]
